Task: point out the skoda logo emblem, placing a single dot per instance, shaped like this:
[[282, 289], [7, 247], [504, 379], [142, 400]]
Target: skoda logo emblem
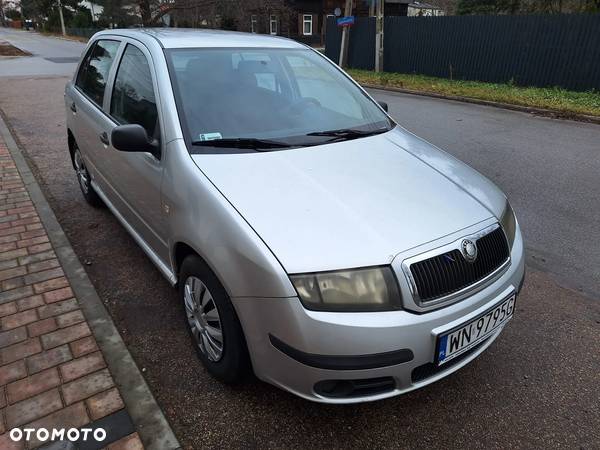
[[469, 250]]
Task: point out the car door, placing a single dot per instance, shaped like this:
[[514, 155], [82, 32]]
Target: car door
[[85, 100], [134, 178]]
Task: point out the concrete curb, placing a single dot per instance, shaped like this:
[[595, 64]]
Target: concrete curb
[[150, 423], [554, 114]]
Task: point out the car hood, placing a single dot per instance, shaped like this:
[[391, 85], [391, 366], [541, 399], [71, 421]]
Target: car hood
[[350, 204]]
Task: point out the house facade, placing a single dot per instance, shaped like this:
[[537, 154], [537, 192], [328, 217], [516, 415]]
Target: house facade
[[306, 20], [422, 9]]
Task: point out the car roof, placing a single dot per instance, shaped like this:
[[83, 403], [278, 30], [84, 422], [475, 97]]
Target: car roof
[[191, 38]]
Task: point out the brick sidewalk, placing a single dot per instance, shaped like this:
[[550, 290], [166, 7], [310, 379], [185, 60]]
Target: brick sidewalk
[[52, 374]]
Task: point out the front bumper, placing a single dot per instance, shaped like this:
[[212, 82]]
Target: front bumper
[[397, 345]]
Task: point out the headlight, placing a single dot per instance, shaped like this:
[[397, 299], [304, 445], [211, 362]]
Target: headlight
[[509, 224], [370, 289]]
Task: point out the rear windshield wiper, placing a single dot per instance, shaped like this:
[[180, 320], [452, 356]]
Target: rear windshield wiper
[[250, 143], [348, 133]]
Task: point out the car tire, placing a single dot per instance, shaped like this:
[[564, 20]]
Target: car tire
[[84, 179], [211, 320]]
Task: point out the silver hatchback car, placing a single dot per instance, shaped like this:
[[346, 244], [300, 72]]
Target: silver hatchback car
[[310, 237]]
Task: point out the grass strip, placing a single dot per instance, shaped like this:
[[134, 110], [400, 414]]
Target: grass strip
[[555, 98]]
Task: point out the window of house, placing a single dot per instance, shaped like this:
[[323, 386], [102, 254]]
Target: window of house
[[93, 73], [253, 23], [273, 25], [307, 24], [133, 98]]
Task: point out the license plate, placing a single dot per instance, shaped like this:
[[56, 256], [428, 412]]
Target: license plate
[[464, 337]]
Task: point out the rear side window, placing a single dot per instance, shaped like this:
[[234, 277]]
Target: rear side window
[[93, 74], [133, 99]]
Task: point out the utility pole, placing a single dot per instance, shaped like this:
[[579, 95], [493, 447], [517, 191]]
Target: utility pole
[[379, 37], [345, 36], [62, 20]]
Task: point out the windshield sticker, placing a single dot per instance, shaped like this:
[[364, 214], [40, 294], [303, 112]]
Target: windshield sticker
[[210, 136]]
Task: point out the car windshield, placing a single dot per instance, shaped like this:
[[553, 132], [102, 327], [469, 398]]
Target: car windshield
[[267, 99]]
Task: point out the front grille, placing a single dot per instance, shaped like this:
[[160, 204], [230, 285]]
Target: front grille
[[450, 272]]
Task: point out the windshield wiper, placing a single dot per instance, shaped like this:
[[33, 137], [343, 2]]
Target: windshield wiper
[[348, 133], [250, 143]]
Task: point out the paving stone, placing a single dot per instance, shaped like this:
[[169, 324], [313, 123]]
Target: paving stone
[[58, 295], [12, 273], [43, 326], [50, 285], [20, 350], [43, 275], [12, 336], [82, 366], [5, 247], [32, 233], [26, 221], [30, 259], [9, 263], [6, 443], [70, 318], [30, 302], [33, 408], [15, 294], [33, 385], [38, 248], [13, 231], [11, 254], [104, 403], [65, 335], [52, 373], [87, 386], [12, 372], [43, 265], [13, 283], [19, 319], [131, 442], [74, 416], [40, 240], [7, 309], [57, 308], [83, 346], [48, 359]]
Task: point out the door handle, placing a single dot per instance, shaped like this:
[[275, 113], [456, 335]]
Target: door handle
[[104, 138], [73, 107]]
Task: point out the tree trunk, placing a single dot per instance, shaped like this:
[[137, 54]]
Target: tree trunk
[[145, 12]]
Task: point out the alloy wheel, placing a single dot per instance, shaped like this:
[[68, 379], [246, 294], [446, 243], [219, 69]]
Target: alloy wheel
[[82, 174], [203, 318]]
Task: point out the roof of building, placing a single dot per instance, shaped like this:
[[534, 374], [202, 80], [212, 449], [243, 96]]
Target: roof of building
[[190, 38]]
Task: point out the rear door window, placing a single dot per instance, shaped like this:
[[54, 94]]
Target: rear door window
[[93, 74], [133, 100]]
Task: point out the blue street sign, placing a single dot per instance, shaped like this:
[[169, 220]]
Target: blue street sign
[[345, 21]]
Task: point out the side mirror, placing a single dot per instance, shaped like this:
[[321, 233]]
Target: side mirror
[[133, 138], [384, 105]]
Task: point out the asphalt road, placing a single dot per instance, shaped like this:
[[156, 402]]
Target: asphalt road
[[49, 56], [537, 386], [548, 168]]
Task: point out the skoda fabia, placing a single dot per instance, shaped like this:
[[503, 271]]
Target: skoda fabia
[[311, 238]]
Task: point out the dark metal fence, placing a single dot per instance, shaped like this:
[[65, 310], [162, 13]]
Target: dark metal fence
[[83, 32], [544, 50], [361, 53]]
